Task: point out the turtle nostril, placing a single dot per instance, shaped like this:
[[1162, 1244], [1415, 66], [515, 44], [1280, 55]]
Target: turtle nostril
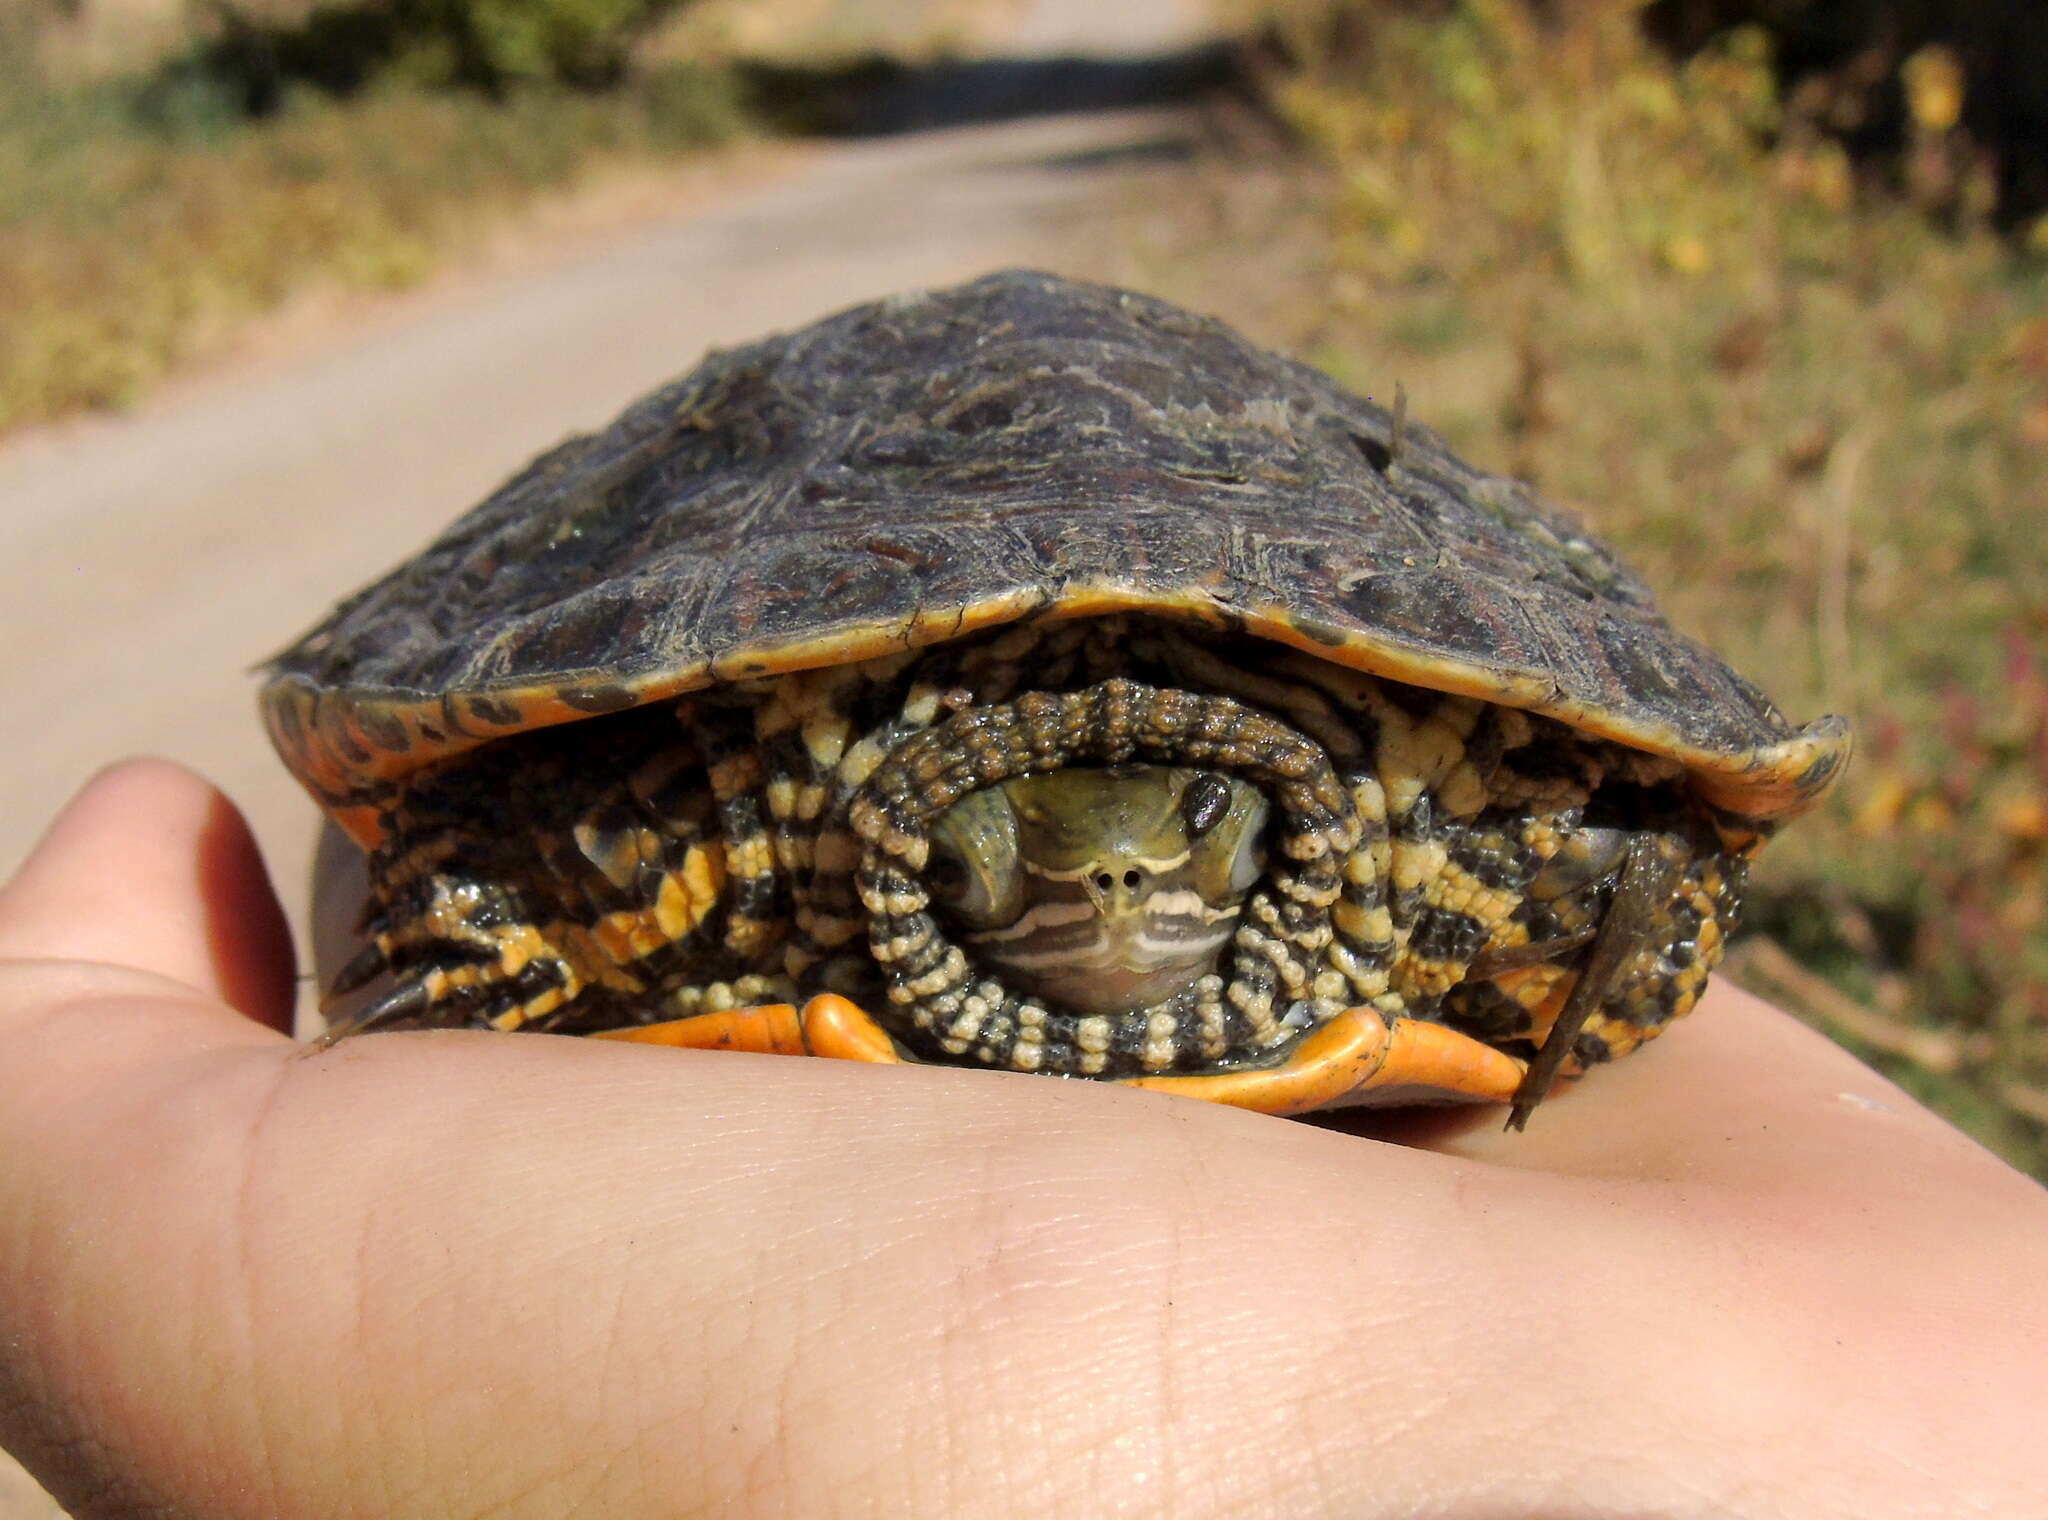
[[1104, 881], [1131, 879]]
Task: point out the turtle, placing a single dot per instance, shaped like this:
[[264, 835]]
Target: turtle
[[1038, 676]]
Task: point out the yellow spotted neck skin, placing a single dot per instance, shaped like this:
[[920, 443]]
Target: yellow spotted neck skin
[[1100, 847]]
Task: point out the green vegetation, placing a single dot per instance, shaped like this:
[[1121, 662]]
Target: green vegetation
[[1808, 394], [489, 45], [142, 216]]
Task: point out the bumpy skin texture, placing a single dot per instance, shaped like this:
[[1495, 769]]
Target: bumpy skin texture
[[802, 600], [1430, 857]]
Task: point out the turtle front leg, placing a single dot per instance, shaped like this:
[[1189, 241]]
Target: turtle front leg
[[1646, 884]]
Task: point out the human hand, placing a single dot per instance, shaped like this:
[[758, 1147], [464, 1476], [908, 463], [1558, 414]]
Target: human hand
[[463, 1274]]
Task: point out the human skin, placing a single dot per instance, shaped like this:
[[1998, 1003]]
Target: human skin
[[462, 1274]]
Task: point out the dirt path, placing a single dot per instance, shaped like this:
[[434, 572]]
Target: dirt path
[[150, 559]]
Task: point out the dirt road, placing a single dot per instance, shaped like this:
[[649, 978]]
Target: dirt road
[[152, 558]]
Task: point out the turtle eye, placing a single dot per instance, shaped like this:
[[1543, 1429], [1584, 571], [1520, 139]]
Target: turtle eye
[[1229, 853], [974, 872], [1204, 803]]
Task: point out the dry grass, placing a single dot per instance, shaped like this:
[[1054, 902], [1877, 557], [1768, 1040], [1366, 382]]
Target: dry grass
[[1814, 415], [144, 219], [136, 228]]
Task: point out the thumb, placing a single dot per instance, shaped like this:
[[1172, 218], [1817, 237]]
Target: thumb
[[139, 943], [151, 868]]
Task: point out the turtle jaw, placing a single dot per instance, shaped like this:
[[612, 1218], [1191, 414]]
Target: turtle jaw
[[1132, 948]]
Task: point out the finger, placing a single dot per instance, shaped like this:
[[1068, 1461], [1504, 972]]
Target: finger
[[151, 867]]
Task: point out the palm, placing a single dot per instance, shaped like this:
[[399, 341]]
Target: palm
[[539, 1276]]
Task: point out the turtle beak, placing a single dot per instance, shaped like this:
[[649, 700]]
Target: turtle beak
[[1121, 934]]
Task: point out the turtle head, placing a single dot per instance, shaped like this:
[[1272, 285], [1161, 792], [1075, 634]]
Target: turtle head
[[1103, 890]]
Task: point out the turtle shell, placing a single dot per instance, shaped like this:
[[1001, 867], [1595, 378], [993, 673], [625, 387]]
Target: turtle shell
[[1020, 447]]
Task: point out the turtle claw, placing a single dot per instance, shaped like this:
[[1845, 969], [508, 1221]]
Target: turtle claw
[[1644, 882], [402, 1005], [828, 1025], [363, 968]]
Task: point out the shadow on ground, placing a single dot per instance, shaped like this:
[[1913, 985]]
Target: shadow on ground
[[258, 68], [877, 97]]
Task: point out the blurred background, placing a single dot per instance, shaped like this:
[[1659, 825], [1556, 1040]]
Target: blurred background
[[1760, 286]]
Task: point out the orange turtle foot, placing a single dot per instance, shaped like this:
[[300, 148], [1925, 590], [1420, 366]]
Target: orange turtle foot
[[1359, 1059], [828, 1025]]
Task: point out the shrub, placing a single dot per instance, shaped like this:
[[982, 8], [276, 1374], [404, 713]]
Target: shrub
[[1813, 414]]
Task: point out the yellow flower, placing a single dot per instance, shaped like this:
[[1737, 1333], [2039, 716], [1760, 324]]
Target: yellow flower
[[1688, 254], [1934, 87], [1880, 811], [2024, 817], [1930, 815], [1830, 179]]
